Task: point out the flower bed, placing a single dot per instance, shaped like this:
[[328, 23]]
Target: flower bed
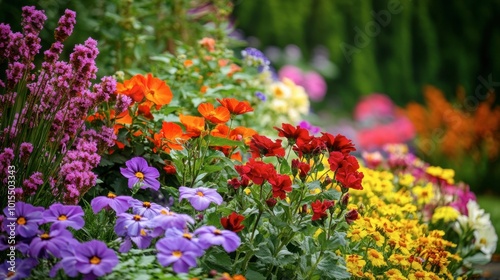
[[199, 174]]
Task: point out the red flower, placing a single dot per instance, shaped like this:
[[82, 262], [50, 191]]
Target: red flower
[[281, 185], [319, 209], [236, 107], [313, 147], [335, 159], [236, 184], [351, 216], [233, 222], [300, 167], [351, 180], [257, 171], [271, 202], [169, 167], [338, 143], [293, 134], [262, 146]]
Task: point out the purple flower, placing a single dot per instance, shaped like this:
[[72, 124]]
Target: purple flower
[[94, 259], [145, 209], [142, 241], [118, 203], [260, 95], [27, 218], [20, 270], [50, 243], [168, 219], [65, 215], [210, 235], [178, 252], [201, 197], [254, 57], [138, 172], [130, 225]]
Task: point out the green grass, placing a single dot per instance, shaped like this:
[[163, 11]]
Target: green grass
[[491, 205]]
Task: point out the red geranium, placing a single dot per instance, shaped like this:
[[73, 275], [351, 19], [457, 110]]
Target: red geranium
[[335, 159], [262, 146], [281, 185], [233, 222], [300, 167], [338, 143], [237, 183], [319, 209], [313, 147]]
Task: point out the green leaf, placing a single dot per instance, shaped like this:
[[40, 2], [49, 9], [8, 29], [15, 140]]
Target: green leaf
[[332, 266], [218, 141], [285, 167], [254, 275]]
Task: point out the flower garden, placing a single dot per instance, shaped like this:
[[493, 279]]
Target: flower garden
[[205, 165]]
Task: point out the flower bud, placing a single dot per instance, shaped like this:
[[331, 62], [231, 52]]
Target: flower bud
[[351, 216], [345, 200], [271, 202]]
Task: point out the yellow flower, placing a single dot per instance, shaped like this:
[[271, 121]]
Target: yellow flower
[[355, 264], [445, 213], [376, 258], [247, 191], [317, 233], [445, 174], [406, 180], [424, 194]]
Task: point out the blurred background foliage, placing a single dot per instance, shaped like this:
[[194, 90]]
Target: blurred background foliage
[[442, 43], [396, 47]]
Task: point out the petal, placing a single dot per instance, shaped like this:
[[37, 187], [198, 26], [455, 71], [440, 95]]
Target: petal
[[199, 203], [152, 183]]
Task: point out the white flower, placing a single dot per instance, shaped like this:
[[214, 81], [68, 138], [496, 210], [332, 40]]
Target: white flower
[[485, 239], [476, 219]]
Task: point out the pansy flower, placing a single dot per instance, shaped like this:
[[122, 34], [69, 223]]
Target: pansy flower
[[200, 198], [27, 217], [64, 215], [214, 115], [210, 235], [261, 146], [138, 172], [234, 106], [22, 269], [118, 203], [233, 222], [178, 252]]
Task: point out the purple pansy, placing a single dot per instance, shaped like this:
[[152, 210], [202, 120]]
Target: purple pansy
[[130, 224], [50, 243], [27, 218], [210, 235], [178, 252], [138, 172], [118, 203], [145, 208], [20, 270], [94, 259], [64, 215], [200, 198]]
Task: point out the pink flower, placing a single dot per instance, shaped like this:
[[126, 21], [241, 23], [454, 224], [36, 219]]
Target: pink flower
[[315, 86], [291, 72]]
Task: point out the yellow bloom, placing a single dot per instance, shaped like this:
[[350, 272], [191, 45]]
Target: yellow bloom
[[247, 191], [317, 233], [406, 180], [445, 213], [376, 258], [424, 194], [445, 174]]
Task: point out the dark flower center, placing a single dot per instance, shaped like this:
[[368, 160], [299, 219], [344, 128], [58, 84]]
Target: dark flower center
[[137, 217], [111, 195], [187, 236], [146, 204], [200, 194], [62, 218], [95, 260], [21, 220], [10, 274], [217, 232]]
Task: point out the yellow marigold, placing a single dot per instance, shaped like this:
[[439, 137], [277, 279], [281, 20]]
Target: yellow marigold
[[355, 264], [424, 194], [445, 174], [398, 259], [376, 258], [445, 213], [406, 180], [394, 273], [419, 275]]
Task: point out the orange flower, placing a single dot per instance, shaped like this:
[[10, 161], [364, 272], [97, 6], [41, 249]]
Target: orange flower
[[203, 89], [145, 110], [169, 167], [236, 107], [208, 43], [214, 115], [133, 88], [221, 130], [156, 90], [188, 63], [242, 133], [170, 137], [123, 118], [194, 125]]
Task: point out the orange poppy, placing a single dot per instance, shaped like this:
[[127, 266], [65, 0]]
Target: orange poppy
[[194, 125], [236, 107], [170, 137], [156, 90], [132, 88], [214, 115], [221, 130], [242, 133]]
